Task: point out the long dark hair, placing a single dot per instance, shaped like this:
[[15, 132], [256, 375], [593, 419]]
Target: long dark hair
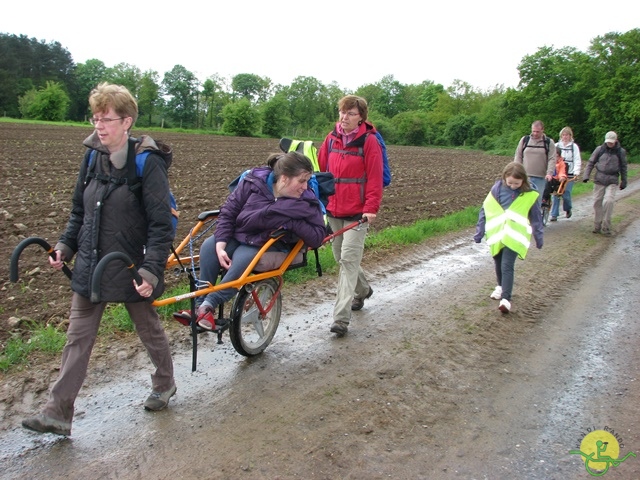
[[289, 164]]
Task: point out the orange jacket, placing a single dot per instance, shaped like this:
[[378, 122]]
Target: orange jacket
[[561, 169]]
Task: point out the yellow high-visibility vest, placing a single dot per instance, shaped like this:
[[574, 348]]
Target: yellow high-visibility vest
[[511, 227]]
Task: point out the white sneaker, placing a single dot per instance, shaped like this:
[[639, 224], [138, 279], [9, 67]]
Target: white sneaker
[[505, 306], [497, 293]]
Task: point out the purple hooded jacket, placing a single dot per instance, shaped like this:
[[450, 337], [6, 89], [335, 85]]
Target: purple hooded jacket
[[251, 213]]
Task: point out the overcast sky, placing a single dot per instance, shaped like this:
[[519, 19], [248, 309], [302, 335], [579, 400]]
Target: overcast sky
[[481, 43]]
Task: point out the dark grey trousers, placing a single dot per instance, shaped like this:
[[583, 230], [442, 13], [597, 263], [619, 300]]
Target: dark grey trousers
[[81, 336]]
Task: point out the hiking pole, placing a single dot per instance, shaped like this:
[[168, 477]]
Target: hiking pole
[[102, 265], [15, 256], [333, 235]]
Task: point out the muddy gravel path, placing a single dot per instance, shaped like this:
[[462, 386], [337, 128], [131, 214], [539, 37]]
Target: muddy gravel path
[[431, 381]]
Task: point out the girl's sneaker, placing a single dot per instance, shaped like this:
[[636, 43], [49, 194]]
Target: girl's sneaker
[[206, 318], [505, 306], [497, 293]]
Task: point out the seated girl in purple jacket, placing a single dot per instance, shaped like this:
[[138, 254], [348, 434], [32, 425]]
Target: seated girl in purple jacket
[[267, 199]]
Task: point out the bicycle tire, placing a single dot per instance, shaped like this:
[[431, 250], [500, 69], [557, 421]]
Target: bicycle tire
[[545, 214], [252, 331]]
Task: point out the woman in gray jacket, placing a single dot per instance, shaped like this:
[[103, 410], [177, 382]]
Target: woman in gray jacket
[[108, 215]]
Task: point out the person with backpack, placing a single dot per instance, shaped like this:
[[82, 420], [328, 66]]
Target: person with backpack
[[265, 200], [352, 153], [107, 216], [610, 162], [571, 156], [537, 153], [509, 217]]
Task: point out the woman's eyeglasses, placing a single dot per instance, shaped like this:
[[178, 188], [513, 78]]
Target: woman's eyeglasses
[[104, 120]]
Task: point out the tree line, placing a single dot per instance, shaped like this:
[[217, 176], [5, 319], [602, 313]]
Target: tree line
[[593, 92]]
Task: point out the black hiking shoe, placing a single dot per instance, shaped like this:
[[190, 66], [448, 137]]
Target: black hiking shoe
[[358, 303]]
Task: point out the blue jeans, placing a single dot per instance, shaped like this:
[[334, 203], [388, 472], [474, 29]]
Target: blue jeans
[[540, 183], [241, 256], [505, 262], [566, 201]]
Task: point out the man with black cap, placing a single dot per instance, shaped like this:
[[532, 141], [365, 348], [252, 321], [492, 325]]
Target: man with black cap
[[610, 161]]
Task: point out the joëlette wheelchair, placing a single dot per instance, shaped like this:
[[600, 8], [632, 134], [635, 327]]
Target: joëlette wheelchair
[[255, 310]]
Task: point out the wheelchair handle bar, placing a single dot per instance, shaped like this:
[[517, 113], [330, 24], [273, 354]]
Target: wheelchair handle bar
[[15, 256], [102, 264]]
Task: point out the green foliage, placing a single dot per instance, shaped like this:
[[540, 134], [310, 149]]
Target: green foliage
[[413, 128], [386, 127], [553, 90], [88, 76], [214, 98], [26, 101], [45, 339], [275, 117], [460, 130], [615, 103], [309, 99], [27, 63], [48, 339], [115, 319], [181, 86], [423, 229], [252, 87], [14, 353], [241, 119], [308, 272], [149, 100], [127, 75], [484, 143], [592, 92], [49, 103], [388, 96]]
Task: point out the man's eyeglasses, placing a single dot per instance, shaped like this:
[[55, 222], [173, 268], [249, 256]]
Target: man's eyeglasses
[[104, 120]]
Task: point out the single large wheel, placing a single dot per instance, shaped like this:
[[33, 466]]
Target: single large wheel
[[545, 214], [255, 316]]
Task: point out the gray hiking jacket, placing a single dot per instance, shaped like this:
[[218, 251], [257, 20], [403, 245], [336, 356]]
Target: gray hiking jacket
[[610, 164]]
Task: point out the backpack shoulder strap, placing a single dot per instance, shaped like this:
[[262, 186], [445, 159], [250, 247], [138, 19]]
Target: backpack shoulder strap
[[133, 177], [90, 162], [547, 143], [359, 153], [91, 157]]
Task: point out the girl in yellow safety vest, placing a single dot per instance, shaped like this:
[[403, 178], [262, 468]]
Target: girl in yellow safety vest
[[509, 216]]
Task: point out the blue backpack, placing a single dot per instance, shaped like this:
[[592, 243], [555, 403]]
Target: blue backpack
[[386, 169], [133, 177]]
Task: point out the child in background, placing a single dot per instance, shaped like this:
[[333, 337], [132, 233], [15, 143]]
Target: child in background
[[509, 234], [559, 176]]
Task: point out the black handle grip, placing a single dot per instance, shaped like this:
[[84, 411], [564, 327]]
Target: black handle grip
[[102, 264], [15, 256]]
